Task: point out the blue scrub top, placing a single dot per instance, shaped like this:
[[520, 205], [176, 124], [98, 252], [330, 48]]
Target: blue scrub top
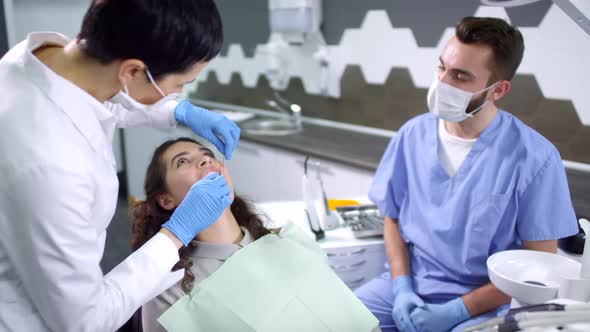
[[511, 187]]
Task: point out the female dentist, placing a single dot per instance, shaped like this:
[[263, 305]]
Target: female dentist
[[61, 102]]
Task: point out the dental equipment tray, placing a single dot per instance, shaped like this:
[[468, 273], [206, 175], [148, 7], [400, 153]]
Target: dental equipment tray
[[364, 220]]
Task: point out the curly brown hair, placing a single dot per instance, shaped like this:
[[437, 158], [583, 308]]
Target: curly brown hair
[[148, 216]]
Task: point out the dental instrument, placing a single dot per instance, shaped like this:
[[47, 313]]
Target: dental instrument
[[542, 314], [309, 197]]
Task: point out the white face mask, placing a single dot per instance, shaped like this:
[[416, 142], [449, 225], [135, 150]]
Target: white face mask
[[124, 99], [449, 103]]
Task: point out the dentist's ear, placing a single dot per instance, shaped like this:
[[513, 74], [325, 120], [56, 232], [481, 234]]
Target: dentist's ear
[[130, 70], [166, 202]]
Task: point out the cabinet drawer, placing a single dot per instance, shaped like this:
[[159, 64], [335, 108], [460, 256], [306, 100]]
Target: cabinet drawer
[[351, 251], [357, 265], [253, 171], [356, 262], [358, 277], [354, 255]]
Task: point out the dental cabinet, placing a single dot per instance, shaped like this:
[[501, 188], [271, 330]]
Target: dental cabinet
[[261, 173]]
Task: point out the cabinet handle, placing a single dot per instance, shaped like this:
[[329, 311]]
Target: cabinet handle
[[350, 253], [354, 282], [347, 267], [249, 150]]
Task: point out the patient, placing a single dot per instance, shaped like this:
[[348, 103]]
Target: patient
[[175, 166]]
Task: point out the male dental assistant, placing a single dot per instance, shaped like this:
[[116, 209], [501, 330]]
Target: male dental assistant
[[461, 183], [61, 103]]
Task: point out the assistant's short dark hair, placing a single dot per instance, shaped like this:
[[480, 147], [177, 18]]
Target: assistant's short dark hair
[[504, 39], [169, 36]]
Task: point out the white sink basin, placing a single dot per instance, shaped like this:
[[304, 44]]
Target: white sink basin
[[530, 277], [270, 127], [236, 117]]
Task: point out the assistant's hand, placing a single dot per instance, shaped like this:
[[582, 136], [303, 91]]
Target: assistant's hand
[[404, 301], [200, 208], [439, 317], [216, 128]]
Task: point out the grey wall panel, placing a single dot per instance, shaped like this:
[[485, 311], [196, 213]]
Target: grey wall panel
[[244, 23], [390, 105], [530, 15], [340, 15], [426, 18], [3, 30]]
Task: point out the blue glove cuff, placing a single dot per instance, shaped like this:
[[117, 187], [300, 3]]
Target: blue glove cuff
[[400, 284], [180, 112], [460, 309], [178, 233]]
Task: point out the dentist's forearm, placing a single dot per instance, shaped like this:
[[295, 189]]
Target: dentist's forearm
[[395, 248], [172, 237]]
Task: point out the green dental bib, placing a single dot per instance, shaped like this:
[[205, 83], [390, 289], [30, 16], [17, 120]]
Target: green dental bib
[[277, 283]]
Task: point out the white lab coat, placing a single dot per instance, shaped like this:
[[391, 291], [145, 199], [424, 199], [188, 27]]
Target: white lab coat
[[58, 191]]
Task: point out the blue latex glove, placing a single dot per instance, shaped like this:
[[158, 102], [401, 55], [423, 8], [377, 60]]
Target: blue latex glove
[[440, 317], [200, 208], [216, 128], [404, 301]]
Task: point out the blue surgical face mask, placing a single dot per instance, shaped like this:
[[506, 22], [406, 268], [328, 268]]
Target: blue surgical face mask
[[123, 98], [450, 103]]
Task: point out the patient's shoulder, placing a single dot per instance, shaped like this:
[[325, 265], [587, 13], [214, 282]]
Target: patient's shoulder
[[152, 310], [295, 233]]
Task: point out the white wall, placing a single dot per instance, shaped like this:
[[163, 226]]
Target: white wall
[[557, 53], [61, 16]]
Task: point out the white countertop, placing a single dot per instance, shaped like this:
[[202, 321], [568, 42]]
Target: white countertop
[[280, 213]]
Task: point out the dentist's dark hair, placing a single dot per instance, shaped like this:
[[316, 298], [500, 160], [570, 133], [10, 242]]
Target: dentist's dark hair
[[505, 41], [148, 216], [169, 36]]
